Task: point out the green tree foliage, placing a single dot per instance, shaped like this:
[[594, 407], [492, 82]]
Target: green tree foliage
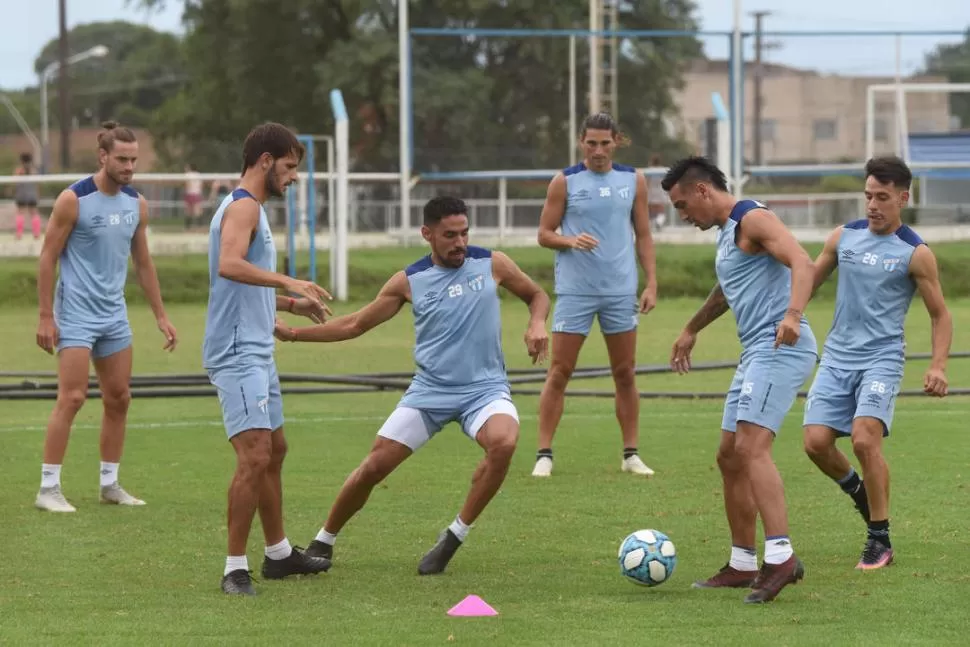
[[953, 62], [479, 103], [142, 70]]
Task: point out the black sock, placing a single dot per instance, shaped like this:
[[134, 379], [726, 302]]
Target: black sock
[[879, 530], [544, 453], [628, 452], [851, 483]]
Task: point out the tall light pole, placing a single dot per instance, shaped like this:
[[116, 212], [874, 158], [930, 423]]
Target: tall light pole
[[98, 51]]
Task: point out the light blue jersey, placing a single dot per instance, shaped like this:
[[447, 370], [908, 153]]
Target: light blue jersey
[[757, 288], [240, 318], [94, 263], [599, 204], [458, 332], [874, 293]]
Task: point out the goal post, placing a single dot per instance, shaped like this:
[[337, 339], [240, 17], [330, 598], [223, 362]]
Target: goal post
[[901, 91]]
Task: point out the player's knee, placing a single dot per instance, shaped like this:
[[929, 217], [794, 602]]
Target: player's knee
[[817, 445], [116, 400], [255, 461], [728, 460], [865, 445], [373, 470], [279, 450], [502, 446], [624, 375], [559, 374], [71, 400]]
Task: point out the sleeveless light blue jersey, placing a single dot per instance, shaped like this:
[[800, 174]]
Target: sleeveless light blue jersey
[[240, 318], [874, 293], [599, 204], [757, 287], [458, 330], [94, 262]]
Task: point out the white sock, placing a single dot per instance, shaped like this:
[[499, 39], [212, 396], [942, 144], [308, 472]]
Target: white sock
[[281, 550], [50, 475], [109, 473], [744, 559], [326, 537], [778, 550], [236, 563], [459, 529]]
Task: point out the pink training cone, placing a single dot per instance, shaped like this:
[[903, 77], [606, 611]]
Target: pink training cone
[[472, 606]]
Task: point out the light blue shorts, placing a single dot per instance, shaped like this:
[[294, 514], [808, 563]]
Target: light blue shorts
[[250, 397], [574, 314], [765, 386], [839, 396], [103, 339], [413, 426]]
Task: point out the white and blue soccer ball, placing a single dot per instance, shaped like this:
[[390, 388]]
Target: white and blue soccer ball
[[647, 557]]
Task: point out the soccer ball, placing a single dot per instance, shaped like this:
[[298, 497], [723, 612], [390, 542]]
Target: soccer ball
[[647, 558]]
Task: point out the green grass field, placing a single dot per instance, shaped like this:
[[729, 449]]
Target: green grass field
[[543, 554]]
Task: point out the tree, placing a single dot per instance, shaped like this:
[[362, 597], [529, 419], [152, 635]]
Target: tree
[[141, 70], [478, 102], [953, 62]]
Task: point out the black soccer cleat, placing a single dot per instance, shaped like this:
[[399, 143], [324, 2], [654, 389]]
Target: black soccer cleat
[[436, 559], [319, 548], [297, 563], [238, 582]]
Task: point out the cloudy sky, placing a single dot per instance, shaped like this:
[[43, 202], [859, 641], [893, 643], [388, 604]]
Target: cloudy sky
[[22, 37]]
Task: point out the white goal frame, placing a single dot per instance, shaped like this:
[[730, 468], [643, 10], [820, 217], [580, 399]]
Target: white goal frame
[[902, 123]]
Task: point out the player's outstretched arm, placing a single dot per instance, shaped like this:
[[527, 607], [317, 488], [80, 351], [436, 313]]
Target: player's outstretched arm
[[509, 275], [59, 228], [714, 306], [239, 223], [828, 259], [926, 274], [646, 253], [388, 303], [551, 218], [147, 276]]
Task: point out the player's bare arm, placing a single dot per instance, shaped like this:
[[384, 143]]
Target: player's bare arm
[[388, 302], [553, 211], [239, 224], [59, 227], [512, 278], [827, 260], [713, 307], [147, 276], [925, 272], [646, 252], [312, 310], [763, 229]]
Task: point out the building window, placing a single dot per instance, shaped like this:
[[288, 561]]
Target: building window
[[769, 130], [824, 129]]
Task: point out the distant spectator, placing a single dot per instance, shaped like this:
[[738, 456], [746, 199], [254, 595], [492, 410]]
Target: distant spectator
[[25, 197], [193, 196], [656, 198]]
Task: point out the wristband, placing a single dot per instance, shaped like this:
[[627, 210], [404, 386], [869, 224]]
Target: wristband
[[292, 303]]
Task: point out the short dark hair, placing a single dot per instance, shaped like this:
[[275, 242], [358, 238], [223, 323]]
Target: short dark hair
[[890, 169], [111, 132], [26, 158], [694, 169], [441, 207], [273, 138]]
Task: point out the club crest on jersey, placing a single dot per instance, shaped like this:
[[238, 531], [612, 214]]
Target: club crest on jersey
[[624, 192], [476, 283], [890, 264]]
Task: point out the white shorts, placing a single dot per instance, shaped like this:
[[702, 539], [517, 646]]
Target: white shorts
[[415, 427]]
